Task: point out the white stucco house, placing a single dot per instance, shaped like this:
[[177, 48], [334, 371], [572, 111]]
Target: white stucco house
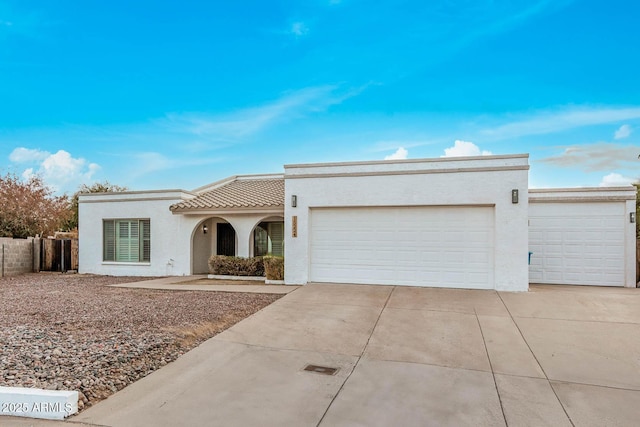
[[466, 222]]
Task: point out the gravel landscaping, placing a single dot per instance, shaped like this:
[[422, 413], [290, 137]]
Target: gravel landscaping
[[72, 332]]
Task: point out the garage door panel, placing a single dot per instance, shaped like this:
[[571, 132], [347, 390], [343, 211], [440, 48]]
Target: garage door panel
[[590, 236], [476, 236], [612, 263], [572, 249], [421, 246], [576, 262], [577, 243], [475, 257], [554, 261], [553, 276], [613, 238], [614, 277], [454, 277], [429, 235], [597, 251]]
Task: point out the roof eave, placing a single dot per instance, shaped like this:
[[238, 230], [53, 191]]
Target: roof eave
[[230, 210]]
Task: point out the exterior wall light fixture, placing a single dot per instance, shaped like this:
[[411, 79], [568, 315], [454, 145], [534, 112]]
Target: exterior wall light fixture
[[294, 201], [514, 196], [632, 217], [205, 229]]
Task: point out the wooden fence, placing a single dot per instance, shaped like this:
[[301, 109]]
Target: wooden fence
[[19, 256], [59, 255]]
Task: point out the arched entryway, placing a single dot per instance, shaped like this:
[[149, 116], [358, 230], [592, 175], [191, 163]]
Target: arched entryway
[[213, 236]]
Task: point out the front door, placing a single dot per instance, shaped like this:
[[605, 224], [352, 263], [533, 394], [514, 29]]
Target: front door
[[226, 241]]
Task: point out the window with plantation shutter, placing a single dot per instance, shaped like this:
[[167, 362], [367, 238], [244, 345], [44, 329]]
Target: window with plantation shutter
[[276, 238], [145, 238], [268, 239], [127, 240], [109, 240]]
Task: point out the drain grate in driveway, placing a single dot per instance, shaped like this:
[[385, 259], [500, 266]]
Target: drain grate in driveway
[[325, 370]]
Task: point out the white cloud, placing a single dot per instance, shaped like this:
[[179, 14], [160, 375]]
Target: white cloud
[[556, 121], [27, 174], [61, 163], [615, 180], [602, 156], [392, 144], [60, 170], [464, 149], [151, 162], [299, 29], [26, 155], [200, 136], [400, 154], [623, 132], [246, 122]]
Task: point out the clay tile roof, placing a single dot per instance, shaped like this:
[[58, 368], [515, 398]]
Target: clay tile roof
[[240, 193]]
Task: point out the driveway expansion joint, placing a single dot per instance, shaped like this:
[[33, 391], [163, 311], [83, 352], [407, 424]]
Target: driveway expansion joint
[[355, 365], [493, 374], [537, 361]]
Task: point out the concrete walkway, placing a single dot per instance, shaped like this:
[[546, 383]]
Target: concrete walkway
[[188, 283], [556, 356]]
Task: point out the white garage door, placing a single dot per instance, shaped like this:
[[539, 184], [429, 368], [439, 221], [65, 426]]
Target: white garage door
[[418, 246], [577, 243]]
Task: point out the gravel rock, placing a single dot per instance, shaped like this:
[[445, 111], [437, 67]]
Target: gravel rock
[[72, 332]]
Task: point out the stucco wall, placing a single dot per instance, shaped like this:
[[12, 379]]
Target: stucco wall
[[169, 254], [172, 251], [428, 182]]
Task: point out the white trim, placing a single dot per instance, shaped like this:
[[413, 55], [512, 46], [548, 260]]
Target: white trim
[[581, 189], [406, 161], [408, 172], [136, 196], [126, 263], [225, 277], [223, 211], [585, 194]]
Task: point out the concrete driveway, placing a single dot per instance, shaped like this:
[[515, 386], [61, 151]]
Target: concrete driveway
[[405, 356]]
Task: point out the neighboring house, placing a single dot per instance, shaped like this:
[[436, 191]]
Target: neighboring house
[[467, 222]]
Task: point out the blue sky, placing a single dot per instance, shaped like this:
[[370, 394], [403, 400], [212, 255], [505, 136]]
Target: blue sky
[[167, 94]]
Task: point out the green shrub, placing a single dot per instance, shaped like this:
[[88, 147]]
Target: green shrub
[[274, 267], [236, 266]]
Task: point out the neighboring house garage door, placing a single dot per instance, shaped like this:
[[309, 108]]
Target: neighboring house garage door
[[577, 243], [418, 246]]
